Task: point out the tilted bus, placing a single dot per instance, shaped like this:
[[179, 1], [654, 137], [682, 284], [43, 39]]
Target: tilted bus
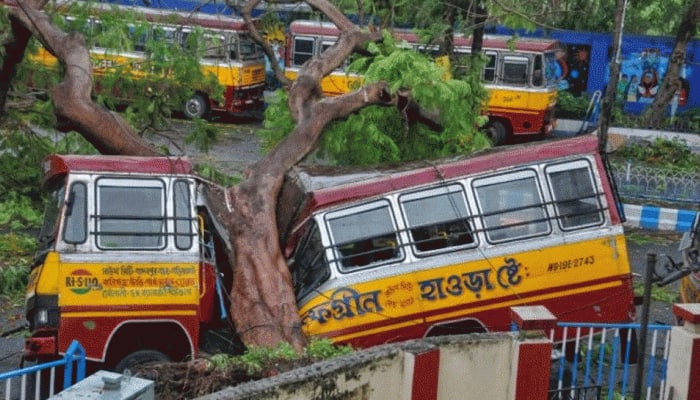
[[128, 255], [230, 55], [447, 247], [520, 76]]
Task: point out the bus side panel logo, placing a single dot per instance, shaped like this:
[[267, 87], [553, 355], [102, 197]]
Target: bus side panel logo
[[81, 281]]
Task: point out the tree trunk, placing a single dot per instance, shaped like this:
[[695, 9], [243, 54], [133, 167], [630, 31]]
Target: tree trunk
[[479, 22], [107, 131], [655, 114], [609, 96], [14, 52], [263, 305]]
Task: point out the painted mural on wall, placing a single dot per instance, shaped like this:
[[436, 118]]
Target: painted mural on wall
[[641, 74]]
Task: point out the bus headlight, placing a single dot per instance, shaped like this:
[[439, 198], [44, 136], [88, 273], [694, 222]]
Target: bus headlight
[[45, 318], [41, 318]]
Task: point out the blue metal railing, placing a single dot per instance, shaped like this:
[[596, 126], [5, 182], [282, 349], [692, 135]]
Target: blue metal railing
[[602, 356], [73, 360]]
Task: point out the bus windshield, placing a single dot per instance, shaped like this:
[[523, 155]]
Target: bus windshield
[[247, 50], [54, 202]]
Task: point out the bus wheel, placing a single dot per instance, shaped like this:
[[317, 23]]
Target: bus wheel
[[141, 357], [196, 106], [497, 132]]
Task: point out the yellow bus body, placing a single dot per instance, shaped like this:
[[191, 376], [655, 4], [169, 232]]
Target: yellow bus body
[[468, 288]]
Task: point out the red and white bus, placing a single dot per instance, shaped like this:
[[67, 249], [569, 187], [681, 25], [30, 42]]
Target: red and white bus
[[520, 75]]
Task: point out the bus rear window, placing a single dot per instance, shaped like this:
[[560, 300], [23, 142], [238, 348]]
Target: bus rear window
[[364, 235], [437, 219]]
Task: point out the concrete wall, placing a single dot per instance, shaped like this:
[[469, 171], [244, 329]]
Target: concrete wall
[[683, 376], [478, 366]]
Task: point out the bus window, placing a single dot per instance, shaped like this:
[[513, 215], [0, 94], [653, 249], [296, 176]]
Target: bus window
[[511, 206], [490, 68], [538, 72], [575, 198], [247, 48], [364, 235], [437, 218], [553, 69], [303, 50], [183, 215], [120, 225], [165, 34], [75, 229], [138, 36], [326, 44], [214, 48], [515, 70], [309, 267]]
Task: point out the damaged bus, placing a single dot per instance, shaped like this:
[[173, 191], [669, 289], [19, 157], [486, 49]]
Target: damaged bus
[[376, 255]]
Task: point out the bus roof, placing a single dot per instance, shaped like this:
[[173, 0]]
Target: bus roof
[[57, 165], [312, 188], [168, 16], [504, 42]]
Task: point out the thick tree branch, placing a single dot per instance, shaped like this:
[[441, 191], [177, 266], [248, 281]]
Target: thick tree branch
[[72, 97], [246, 12]]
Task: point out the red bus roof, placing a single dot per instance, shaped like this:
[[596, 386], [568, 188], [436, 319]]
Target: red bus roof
[[535, 45], [326, 186], [58, 165], [165, 16], [308, 27]]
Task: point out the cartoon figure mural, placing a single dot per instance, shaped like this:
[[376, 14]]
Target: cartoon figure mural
[[645, 69]]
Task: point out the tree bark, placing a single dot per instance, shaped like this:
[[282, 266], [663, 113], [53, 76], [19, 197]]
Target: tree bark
[[14, 52], [263, 305], [107, 131], [609, 96], [655, 114]]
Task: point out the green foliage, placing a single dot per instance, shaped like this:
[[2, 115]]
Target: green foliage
[[204, 135], [324, 349], [379, 134], [18, 213], [150, 99], [663, 294], [570, 106], [16, 248], [662, 153], [13, 281], [278, 121], [210, 172], [256, 359], [16, 251]]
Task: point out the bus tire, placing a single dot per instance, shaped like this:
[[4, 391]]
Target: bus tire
[[497, 132], [196, 106], [141, 357]]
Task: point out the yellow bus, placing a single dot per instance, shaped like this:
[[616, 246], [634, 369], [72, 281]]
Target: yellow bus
[[376, 255], [231, 56], [441, 247], [520, 76]]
